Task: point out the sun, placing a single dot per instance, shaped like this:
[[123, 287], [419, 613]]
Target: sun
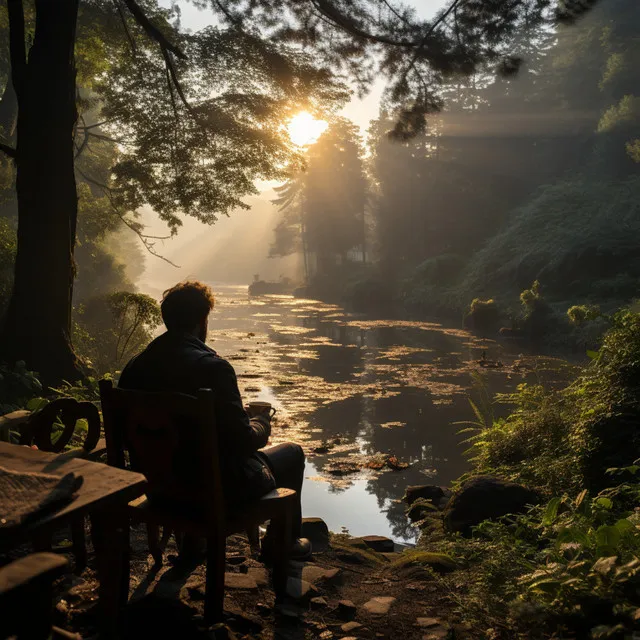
[[304, 129]]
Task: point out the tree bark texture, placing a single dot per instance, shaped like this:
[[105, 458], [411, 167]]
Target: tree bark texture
[[37, 325]]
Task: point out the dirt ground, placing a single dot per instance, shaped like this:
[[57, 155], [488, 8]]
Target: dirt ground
[[385, 599]]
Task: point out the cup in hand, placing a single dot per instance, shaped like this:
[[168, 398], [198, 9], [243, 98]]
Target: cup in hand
[[263, 409]]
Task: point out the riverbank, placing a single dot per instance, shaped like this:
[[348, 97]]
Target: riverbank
[[534, 316]]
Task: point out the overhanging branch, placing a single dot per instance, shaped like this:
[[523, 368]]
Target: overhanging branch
[[146, 239], [151, 30], [10, 151], [330, 11]]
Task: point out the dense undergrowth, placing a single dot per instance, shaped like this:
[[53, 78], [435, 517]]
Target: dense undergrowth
[[570, 567]]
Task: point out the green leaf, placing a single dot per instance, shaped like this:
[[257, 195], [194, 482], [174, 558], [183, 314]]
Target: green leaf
[[551, 512], [572, 534], [607, 538], [546, 585], [624, 526], [592, 355], [605, 503], [580, 498], [35, 404]]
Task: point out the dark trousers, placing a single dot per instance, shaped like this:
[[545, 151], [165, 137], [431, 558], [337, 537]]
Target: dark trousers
[[286, 462]]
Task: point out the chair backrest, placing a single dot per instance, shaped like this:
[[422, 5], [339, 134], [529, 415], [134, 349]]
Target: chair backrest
[[171, 438], [68, 411]]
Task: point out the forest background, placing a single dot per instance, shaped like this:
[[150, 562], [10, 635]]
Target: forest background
[[522, 179], [526, 185]]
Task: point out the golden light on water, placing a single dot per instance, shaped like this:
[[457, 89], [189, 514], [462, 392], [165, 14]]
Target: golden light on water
[[304, 129]]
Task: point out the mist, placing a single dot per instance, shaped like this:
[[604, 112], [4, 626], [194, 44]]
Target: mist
[[232, 251]]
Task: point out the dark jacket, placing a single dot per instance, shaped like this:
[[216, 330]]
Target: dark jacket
[[183, 363]]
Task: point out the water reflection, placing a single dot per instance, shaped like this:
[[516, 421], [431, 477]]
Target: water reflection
[[350, 387]]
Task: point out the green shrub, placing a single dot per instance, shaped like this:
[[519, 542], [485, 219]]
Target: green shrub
[[429, 288], [483, 315], [18, 386], [570, 235], [110, 329], [569, 568], [580, 314], [560, 440]]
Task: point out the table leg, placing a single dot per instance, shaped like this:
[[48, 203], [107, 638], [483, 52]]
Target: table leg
[[110, 534]]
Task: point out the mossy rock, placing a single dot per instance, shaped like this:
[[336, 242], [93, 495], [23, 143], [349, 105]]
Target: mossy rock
[[440, 562], [357, 550]]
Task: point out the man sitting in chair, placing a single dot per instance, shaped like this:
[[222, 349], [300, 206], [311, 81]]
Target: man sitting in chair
[[180, 361]]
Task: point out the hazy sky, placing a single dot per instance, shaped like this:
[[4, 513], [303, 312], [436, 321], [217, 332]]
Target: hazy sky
[[199, 248]]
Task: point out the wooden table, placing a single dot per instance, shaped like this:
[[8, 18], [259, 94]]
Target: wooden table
[[104, 496]]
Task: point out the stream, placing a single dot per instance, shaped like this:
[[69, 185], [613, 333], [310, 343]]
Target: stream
[[353, 390]]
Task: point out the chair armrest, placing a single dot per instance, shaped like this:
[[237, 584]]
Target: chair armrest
[[32, 572], [278, 494]]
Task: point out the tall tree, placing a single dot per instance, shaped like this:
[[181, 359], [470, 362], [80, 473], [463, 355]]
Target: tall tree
[[323, 206], [199, 115]]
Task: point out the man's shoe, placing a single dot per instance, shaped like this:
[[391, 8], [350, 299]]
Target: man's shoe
[[300, 550]]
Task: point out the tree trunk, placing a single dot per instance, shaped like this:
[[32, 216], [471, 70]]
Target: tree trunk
[[8, 112], [38, 321]]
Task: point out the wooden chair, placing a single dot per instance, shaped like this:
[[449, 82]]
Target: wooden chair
[[68, 411], [26, 598], [171, 438]]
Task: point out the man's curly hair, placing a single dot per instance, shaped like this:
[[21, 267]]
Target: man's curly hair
[[186, 304]]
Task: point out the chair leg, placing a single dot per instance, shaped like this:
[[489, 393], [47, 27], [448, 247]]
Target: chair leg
[[282, 531], [79, 540], [214, 582], [153, 539], [253, 535]]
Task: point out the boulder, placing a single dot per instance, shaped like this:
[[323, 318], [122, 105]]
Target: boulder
[[419, 511], [316, 530], [426, 491], [379, 543], [485, 498]]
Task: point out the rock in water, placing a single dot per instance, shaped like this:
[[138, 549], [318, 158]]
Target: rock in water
[[379, 543], [485, 498], [426, 491], [317, 531]]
